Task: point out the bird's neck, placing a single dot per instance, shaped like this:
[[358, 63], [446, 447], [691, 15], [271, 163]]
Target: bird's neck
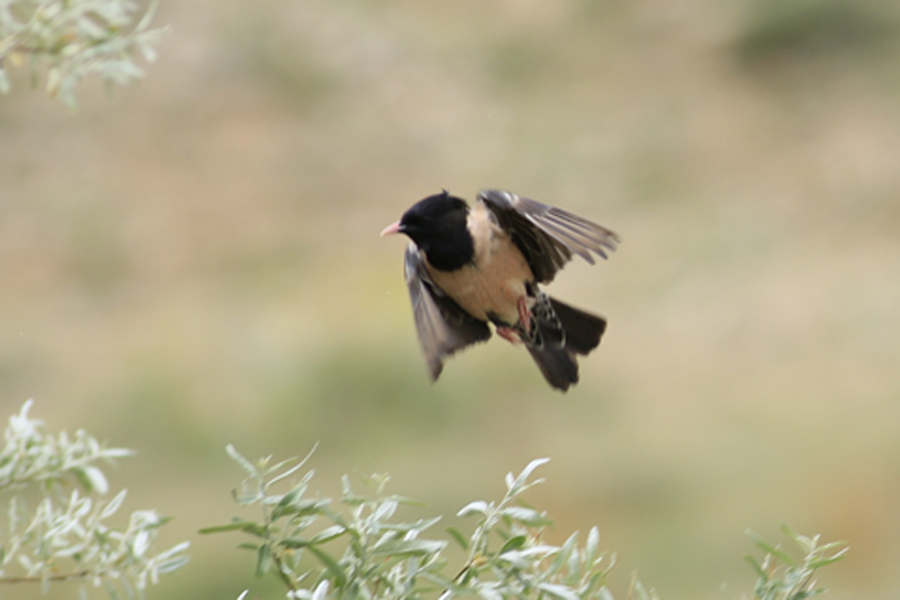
[[451, 252]]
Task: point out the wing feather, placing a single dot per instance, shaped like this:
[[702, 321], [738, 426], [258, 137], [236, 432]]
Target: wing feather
[[546, 235], [443, 327]]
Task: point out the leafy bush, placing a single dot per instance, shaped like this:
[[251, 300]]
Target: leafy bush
[[359, 551], [317, 548], [58, 515], [74, 39], [784, 577], [384, 558]]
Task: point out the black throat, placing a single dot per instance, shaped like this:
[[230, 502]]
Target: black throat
[[451, 251]]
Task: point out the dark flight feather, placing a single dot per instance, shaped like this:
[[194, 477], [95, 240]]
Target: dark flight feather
[[546, 235], [443, 326]]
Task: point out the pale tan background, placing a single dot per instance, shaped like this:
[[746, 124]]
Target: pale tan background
[[195, 261]]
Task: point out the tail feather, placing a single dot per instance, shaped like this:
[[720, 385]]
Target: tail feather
[[557, 365], [555, 353], [583, 330]]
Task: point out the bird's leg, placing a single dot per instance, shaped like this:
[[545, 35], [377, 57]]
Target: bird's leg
[[524, 313], [509, 334]]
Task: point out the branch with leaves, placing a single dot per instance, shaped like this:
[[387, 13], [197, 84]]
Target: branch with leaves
[[66, 534], [73, 39], [781, 576], [363, 552], [358, 550]]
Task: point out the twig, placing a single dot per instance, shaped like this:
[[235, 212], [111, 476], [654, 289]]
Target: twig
[[39, 578]]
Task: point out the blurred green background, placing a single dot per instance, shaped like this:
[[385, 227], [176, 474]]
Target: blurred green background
[[195, 261]]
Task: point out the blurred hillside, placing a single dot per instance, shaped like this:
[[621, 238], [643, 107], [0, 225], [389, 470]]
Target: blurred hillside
[[195, 261]]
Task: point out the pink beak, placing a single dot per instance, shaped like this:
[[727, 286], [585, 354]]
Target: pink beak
[[391, 229]]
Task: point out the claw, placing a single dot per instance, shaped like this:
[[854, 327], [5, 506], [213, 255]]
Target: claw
[[524, 313], [510, 335]]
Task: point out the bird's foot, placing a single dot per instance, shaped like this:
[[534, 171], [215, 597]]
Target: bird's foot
[[509, 334], [524, 313]]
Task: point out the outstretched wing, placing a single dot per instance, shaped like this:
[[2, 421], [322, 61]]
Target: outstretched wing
[[546, 235], [443, 326]]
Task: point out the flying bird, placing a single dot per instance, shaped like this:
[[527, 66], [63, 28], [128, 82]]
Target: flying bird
[[468, 267]]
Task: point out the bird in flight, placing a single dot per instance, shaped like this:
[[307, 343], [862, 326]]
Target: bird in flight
[[467, 267]]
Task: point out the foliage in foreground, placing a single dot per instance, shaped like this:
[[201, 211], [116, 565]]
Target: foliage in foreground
[[385, 558], [357, 550], [73, 39], [58, 514], [784, 577]]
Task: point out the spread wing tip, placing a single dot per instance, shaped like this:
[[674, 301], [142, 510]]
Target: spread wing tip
[[435, 369], [548, 235], [546, 217]]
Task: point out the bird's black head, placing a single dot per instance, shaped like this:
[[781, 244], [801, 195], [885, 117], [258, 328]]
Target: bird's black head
[[437, 224]]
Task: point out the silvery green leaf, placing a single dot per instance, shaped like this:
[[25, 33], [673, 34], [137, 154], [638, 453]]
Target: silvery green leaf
[[519, 483], [514, 543], [337, 571], [72, 549], [296, 467], [423, 524], [148, 52], [54, 78], [771, 549], [321, 591], [479, 506], [541, 551], [263, 559], [398, 548], [459, 537], [563, 592], [384, 539], [117, 453], [575, 562], [514, 558], [827, 560], [643, 593], [528, 516], [141, 543], [174, 550], [146, 518], [590, 547], [565, 551], [328, 534], [346, 488], [593, 583], [27, 563], [529, 469], [96, 478], [239, 459], [81, 506], [385, 510], [806, 544], [237, 524], [489, 592]]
